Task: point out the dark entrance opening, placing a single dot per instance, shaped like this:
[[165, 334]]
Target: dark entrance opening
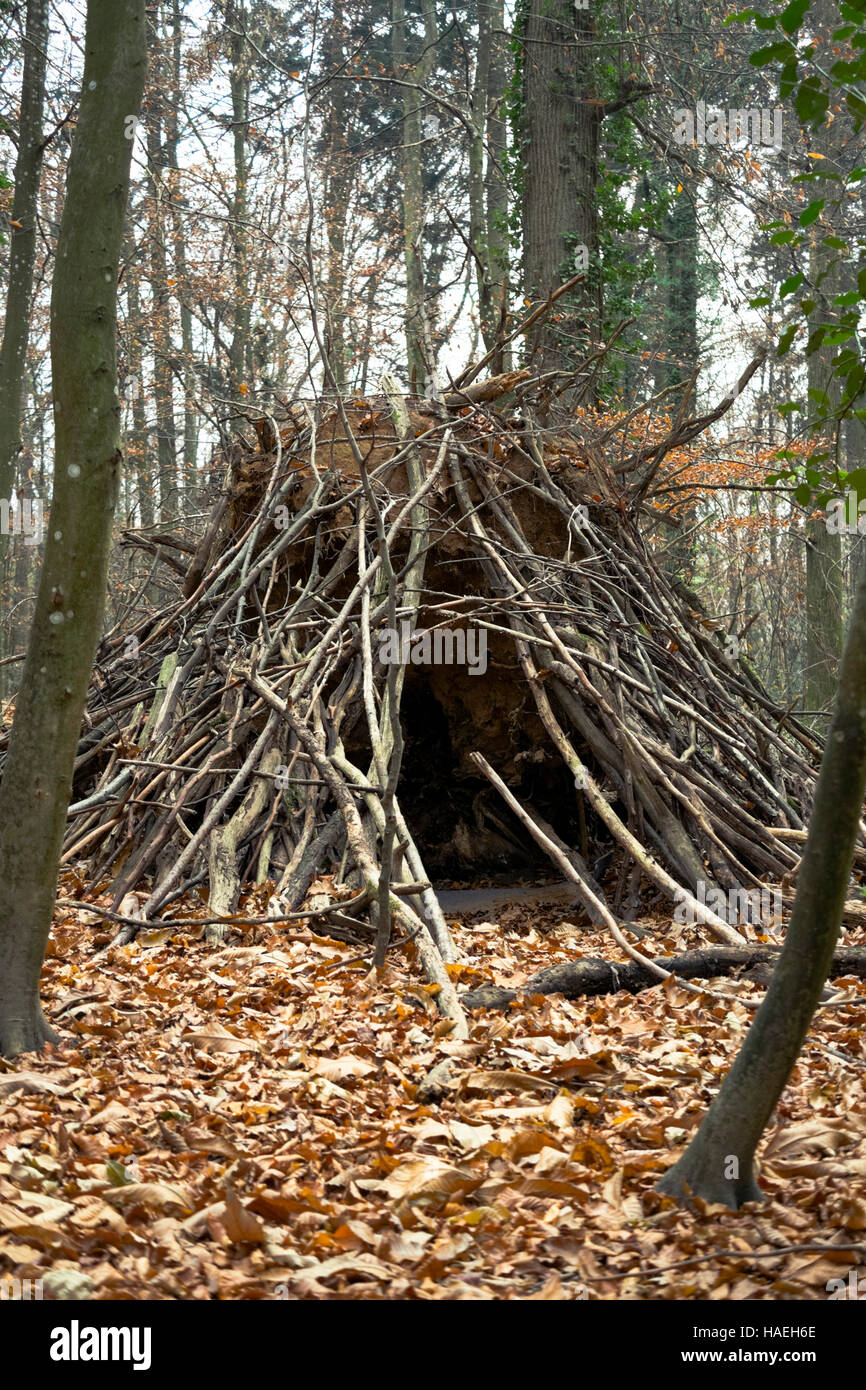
[[463, 829]]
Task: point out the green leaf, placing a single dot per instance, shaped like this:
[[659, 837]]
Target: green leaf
[[762, 56], [811, 213], [786, 340], [803, 494], [816, 339], [792, 283], [792, 16]]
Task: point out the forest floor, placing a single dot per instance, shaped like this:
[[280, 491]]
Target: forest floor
[[243, 1123]]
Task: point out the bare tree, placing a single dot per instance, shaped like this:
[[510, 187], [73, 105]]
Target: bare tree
[[718, 1164], [22, 247], [37, 774]]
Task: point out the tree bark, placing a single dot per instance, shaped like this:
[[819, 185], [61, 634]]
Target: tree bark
[[488, 190], [718, 1165], [22, 243], [824, 548], [413, 185], [236, 20], [163, 384], [338, 178], [137, 455], [578, 979], [561, 123], [177, 204], [37, 774], [19, 290]]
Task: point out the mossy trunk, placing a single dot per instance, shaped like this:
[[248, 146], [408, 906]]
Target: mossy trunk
[[37, 774], [718, 1165]]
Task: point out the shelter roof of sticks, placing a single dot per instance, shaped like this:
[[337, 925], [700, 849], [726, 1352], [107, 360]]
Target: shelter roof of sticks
[[249, 730]]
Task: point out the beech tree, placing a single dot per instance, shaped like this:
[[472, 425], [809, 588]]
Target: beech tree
[[718, 1164], [37, 773], [22, 249], [22, 256]]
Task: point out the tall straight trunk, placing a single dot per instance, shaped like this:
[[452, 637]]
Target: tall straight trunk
[[681, 342], [176, 206], [37, 774], [236, 17], [488, 190], [163, 383], [415, 75], [823, 614], [560, 127], [824, 587], [19, 290], [338, 177], [855, 457], [681, 316], [496, 183], [22, 242], [137, 455], [718, 1165]]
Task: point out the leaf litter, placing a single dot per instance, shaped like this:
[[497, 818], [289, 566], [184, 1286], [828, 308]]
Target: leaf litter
[[259, 1122]]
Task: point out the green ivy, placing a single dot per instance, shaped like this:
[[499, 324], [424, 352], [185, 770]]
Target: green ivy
[[812, 92]]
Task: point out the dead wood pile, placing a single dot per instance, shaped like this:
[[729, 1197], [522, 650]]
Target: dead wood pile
[[251, 731]]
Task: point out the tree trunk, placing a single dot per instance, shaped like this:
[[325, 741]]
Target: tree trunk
[[496, 185], [413, 185], [561, 123], [488, 190], [236, 20], [824, 548], [137, 455], [338, 176], [37, 774], [681, 344], [163, 385], [19, 290], [718, 1164], [177, 204], [22, 243]]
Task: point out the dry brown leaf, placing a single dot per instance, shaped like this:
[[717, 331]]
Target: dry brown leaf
[[214, 1038], [340, 1068], [158, 1196], [428, 1177], [241, 1226]]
